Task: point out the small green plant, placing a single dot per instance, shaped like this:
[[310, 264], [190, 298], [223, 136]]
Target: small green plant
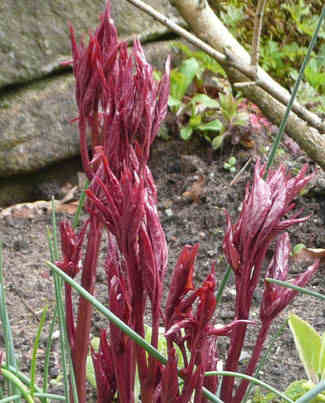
[[195, 110], [311, 350], [286, 33], [310, 346], [234, 118], [200, 107], [230, 165], [208, 110], [305, 21]]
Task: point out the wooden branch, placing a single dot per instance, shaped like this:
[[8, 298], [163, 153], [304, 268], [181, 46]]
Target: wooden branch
[[217, 42], [307, 137], [270, 96], [220, 57], [255, 51], [258, 23]]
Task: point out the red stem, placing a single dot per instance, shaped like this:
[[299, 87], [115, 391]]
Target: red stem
[[254, 360], [81, 342], [236, 345], [69, 315], [84, 148]]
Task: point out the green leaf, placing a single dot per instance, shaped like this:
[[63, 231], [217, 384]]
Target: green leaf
[[240, 119], [35, 349], [195, 121], [297, 248], [182, 77], [206, 62], [174, 102], [214, 126], [310, 347], [186, 132], [178, 85], [298, 389], [205, 100], [90, 370], [162, 344], [217, 142], [232, 161]]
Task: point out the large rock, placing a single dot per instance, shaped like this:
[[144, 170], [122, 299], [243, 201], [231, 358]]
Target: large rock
[[35, 121], [34, 34], [37, 96]]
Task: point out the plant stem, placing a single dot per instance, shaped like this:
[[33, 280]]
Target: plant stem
[[253, 360], [81, 343], [236, 345]]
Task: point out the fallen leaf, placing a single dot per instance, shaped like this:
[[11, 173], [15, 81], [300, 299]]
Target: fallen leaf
[[195, 192]]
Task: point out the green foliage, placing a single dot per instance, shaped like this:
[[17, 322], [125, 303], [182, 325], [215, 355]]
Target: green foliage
[[180, 80], [212, 117], [299, 388], [311, 349], [298, 248], [89, 364], [310, 346], [207, 62], [294, 392], [287, 29], [305, 21], [230, 165]]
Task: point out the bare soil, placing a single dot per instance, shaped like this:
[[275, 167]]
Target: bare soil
[[176, 166]]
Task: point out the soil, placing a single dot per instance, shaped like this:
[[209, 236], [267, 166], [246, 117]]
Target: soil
[[176, 165]]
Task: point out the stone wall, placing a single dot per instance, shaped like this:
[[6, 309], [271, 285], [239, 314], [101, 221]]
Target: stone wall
[[37, 92]]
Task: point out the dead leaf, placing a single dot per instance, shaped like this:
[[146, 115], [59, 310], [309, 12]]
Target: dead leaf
[[195, 192], [310, 254]]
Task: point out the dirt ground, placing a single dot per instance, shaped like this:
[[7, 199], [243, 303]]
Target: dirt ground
[[176, 166]]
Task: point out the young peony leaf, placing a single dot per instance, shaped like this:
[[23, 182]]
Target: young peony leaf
[[174, 103], [90, 370], [186, 132], [162, 344], [310, 346], [182, 78], [217, 142], [241, 119], [214, 126], [299, 388], [205, 100], [195, 121]]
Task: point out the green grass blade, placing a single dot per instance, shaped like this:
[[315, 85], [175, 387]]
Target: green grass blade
[[54, 233], [73, 384], [312, 393], [9, 344], [223, 284], [265, 356], [19, 385], [48, 352], [20, 376], [296, 288], [50, 243], [60, 310], [76, 217], [63, 339], [294, 93], [35, 349], [251, 379], [10, 398], [50, 396]]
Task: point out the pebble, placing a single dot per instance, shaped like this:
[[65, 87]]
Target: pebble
[[169, 212]]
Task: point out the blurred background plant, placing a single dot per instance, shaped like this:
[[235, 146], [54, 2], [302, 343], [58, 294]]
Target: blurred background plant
[[202, 102], [287, 30]]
